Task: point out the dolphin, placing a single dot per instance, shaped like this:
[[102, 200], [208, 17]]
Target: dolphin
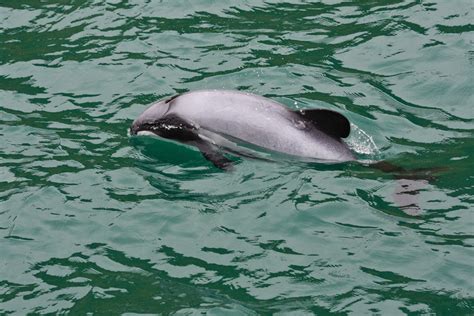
[[216, 119]]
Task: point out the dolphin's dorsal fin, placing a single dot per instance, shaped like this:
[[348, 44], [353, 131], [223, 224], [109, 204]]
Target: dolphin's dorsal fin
[[327, 121]]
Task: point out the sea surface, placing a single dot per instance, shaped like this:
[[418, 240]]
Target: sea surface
[[93, 221]]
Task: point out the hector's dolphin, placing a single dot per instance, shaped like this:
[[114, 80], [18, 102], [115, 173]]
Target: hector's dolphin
[[209, 119]]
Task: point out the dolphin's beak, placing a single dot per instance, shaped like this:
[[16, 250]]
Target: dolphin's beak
[[140, 127], [134, 128]]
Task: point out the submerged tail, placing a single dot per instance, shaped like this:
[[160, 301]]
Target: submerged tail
[[409, 184], [428, 174]]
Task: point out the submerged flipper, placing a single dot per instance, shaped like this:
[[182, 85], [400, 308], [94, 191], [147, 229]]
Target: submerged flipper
[[330, 122], [174, 127], [211, 153]]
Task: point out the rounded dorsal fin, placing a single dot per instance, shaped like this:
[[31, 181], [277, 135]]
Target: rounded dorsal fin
[[327, 121]]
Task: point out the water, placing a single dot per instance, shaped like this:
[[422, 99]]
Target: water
[[94, 222]]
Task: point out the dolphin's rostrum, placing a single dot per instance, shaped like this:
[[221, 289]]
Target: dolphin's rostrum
[[209, 119]]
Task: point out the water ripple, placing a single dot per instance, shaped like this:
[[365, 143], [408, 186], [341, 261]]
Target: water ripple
[[93, 221]]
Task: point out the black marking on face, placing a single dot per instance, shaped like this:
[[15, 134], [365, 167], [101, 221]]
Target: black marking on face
[[172, 127]]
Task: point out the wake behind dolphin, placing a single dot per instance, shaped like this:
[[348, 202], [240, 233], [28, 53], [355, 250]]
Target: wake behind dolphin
[[213, 120]]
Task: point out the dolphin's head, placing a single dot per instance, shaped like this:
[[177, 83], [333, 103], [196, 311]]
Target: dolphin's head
[[146, 122]]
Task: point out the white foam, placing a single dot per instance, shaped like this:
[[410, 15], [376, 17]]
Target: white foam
[[360, 142]]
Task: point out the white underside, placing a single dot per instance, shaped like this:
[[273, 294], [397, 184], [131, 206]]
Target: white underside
[[146, 133]]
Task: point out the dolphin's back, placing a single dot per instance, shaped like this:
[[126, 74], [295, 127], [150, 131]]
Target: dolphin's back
[[259, 121]]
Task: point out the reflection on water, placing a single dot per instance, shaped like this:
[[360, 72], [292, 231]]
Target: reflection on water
[[92, 221]]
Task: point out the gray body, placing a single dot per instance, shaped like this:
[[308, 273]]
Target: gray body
[[215, 116]]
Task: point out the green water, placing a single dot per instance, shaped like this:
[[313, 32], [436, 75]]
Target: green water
[[92, 221]]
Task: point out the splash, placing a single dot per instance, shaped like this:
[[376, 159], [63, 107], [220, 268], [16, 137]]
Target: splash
[[361, 143]]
